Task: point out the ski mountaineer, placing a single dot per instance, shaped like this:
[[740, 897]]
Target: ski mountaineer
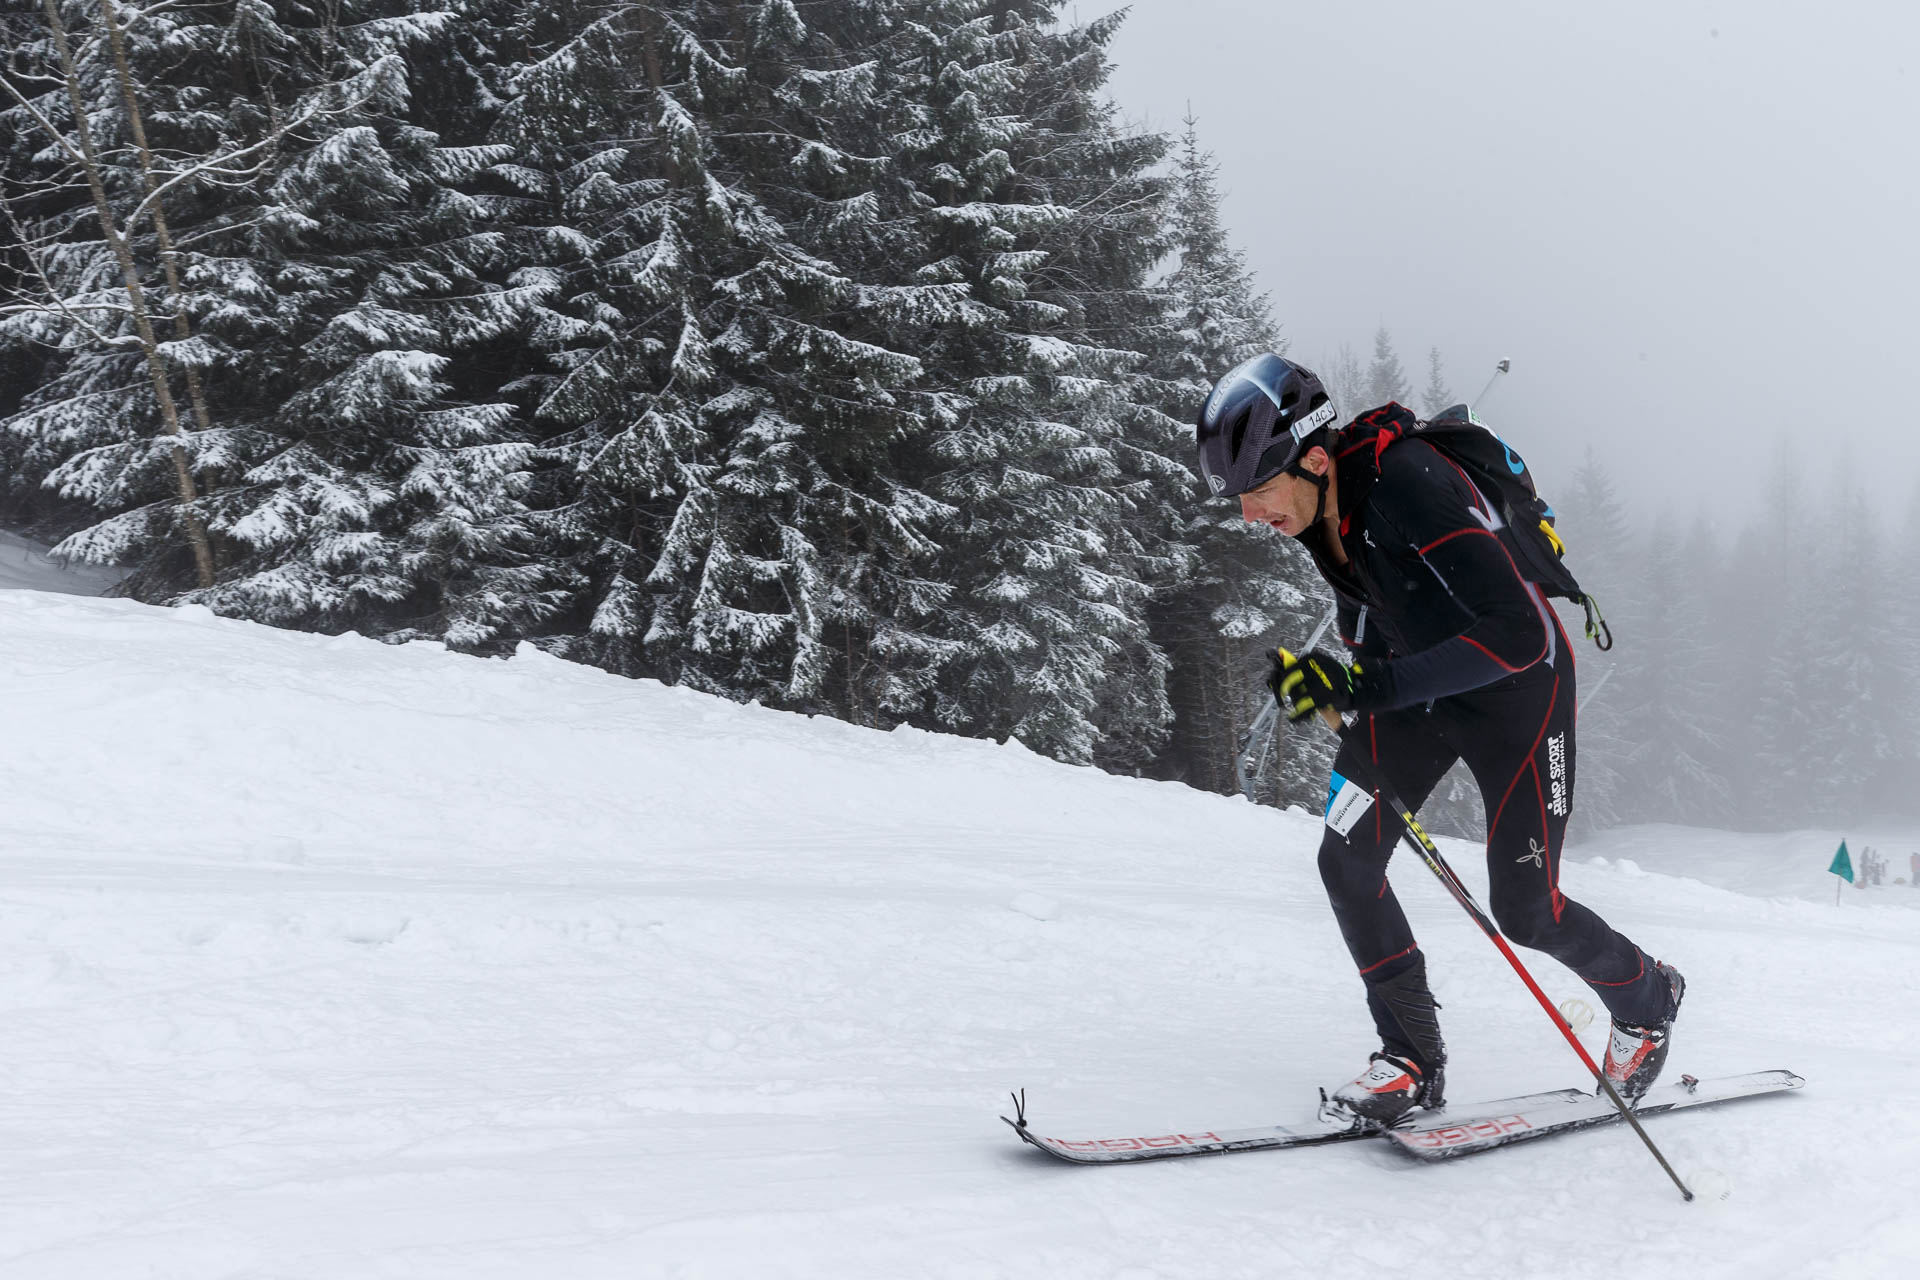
[[1455, 656]]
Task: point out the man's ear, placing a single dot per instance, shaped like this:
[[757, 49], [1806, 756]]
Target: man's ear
[[1315, 460]]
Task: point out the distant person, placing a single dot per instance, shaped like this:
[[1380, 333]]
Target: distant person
[[1455, 656]]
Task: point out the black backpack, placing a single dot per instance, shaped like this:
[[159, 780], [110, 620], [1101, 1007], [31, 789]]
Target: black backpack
[[1502, 477]]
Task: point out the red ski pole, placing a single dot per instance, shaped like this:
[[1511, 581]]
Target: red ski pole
[[1429, 853]]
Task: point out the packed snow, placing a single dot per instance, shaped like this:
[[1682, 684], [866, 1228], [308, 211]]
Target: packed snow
[[324, 958]]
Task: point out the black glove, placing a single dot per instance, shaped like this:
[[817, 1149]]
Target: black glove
[[1304, 685]]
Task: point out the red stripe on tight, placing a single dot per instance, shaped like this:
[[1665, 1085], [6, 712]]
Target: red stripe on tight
[[1390, 959], [1500, 662], [1457, 533], [1539, 604], [1629, 982], [1546, 835]]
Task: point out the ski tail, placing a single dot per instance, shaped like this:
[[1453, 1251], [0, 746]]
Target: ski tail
[[1482, 1128]]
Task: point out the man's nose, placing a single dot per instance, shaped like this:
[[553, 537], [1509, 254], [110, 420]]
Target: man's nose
[[1246, 510]]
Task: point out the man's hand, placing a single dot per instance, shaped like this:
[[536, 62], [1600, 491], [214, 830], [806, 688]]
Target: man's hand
[[1304, 685]]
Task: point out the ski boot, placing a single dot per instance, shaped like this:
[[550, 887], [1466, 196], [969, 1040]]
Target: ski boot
[[1387, 1090], [1636, 1054]]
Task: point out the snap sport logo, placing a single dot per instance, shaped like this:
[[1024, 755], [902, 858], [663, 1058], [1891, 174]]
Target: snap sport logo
[[1557, 798]]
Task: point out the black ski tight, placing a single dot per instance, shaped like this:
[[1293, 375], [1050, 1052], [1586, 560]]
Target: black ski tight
[[1516, 737]]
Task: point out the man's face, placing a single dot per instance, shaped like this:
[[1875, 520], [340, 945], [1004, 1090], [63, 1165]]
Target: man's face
[[1286, 502]]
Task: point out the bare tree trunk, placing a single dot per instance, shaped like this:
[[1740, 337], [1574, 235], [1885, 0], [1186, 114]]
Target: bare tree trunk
[[1226, 757], [656, 80], [169, 260], [149, 343]]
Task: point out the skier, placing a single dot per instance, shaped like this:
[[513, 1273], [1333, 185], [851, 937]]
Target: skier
[[1455, 656]]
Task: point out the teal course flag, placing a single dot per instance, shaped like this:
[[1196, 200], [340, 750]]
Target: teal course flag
[[1842, 865]]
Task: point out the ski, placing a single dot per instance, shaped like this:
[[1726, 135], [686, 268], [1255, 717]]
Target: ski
[[1486, 1126], [1213, 1142], [1442, 1135], [1168, 1146]]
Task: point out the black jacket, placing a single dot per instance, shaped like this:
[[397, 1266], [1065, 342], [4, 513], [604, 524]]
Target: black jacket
[[1430, 597]]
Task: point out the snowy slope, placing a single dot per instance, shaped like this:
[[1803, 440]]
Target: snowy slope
[[1787, 864], [25, 564], [320, 958]]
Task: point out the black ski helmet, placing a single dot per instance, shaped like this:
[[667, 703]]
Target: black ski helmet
[[1251, 427]]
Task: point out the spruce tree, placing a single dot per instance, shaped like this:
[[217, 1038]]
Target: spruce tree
[[1674, 768], [1856, 678], [1346, 381], [1022, 188], [1436, 395], [1249, 589], [1903, 618], [340, 285], [1780, 629], [1386, 381], [1601, 551], [727, 378]]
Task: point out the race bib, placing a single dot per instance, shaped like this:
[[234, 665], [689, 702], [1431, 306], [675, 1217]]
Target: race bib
[[1347, 801]]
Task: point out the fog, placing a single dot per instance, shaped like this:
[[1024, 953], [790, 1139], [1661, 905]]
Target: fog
[[1689, 225]]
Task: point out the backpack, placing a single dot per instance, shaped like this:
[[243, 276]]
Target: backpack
[[1502, 477]]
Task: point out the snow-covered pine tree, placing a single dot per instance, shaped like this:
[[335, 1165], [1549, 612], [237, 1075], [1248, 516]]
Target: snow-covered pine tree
[[1811, 633], [727, 366], [1436, 395], [1346, 381], [1022, 189], [383, 479], [342, 286], [1778, 629], [1102, 262], [1675, 770], [1903, 616], [80, 228], [1249, 589], [1600, 550], [1858, 674], [1386, 380]]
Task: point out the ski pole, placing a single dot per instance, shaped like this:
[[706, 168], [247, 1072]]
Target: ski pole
[[1598, 685], [1430, 854], [1498, 369], [1258, 741]]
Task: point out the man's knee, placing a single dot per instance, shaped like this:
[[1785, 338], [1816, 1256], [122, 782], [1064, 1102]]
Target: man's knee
[[1350, 870], [1529, 922]]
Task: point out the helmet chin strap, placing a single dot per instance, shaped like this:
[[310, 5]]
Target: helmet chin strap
[[1320, 483]]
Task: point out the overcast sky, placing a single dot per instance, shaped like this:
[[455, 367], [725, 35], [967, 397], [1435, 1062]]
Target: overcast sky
[[1690, 225]]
